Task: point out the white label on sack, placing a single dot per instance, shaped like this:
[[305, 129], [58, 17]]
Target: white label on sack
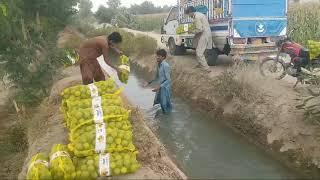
[[125, 67], [96, 102], [186, 27], [104, 165], [93, 90], [39, 161], [59, 154], [101, 138], [98, 115]]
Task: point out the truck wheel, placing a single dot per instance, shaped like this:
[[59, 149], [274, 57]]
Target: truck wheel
[[212, 57], [174, 49]]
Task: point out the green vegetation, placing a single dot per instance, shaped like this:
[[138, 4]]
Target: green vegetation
[[231, 84], [149, 22], [305, 19], [132, 45], [29, 59], [13, 146], [106, 15], [142, 17], [84, 19], [148, 7], [28, 55]]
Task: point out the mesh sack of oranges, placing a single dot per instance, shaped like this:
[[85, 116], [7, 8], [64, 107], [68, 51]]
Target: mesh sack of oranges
[[88, 139], [105, 100], [124, 69], [38, 168], [61, 165], [314, 48], [96, 89], [79, 105], [98, 114], [106, 165]]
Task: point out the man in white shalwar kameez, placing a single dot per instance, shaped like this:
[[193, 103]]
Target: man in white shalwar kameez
[[203, 37]]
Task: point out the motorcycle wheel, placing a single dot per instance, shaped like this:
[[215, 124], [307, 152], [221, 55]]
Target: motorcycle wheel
[[271, 67]]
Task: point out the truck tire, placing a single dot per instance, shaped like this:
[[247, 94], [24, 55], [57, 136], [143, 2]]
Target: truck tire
[[212, 56], [174, 49]]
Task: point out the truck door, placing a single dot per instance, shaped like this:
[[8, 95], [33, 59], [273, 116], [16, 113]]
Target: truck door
[[171, 23], [259, 18], [219, 22]]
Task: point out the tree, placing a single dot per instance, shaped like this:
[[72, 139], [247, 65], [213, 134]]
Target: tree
[[85, 7], [125, 19], [114, 4], [105, 15], [28, 33], [165, 8], [147, 7]]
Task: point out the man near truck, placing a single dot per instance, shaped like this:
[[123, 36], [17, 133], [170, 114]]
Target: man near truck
[[203, 37], [93, 48]]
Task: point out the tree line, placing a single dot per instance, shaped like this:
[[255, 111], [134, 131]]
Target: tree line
[[116, 11]]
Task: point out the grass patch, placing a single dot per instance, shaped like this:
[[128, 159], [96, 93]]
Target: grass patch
[[72, 42], [236, 83], [227, 87], [14, 138], [144, 45], [17, 138], [13, 148], [305, 19], [148, 22]]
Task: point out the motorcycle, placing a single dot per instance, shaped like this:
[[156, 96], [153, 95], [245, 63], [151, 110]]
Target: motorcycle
[[292, 59]]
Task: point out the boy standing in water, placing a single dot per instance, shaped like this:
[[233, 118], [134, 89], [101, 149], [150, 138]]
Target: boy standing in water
[[163, 91]]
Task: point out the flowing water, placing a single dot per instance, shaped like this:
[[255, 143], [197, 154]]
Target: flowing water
[[202, 146]]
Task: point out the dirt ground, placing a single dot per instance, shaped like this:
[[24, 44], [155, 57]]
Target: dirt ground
[[264, 110], [155, 162], [3, 109]]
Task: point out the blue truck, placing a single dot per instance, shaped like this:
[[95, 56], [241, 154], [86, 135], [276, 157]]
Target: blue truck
[[243, 29]]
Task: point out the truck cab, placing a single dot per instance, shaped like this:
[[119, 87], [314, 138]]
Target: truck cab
[[244, 29]]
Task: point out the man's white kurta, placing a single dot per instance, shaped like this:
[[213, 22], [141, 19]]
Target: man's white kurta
[[203, 31], [203, 37]]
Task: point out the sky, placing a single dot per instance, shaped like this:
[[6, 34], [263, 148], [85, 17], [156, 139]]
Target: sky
[[127, 3]]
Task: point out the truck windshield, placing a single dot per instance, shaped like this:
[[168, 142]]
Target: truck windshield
[[259, 8], [173, 15]]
